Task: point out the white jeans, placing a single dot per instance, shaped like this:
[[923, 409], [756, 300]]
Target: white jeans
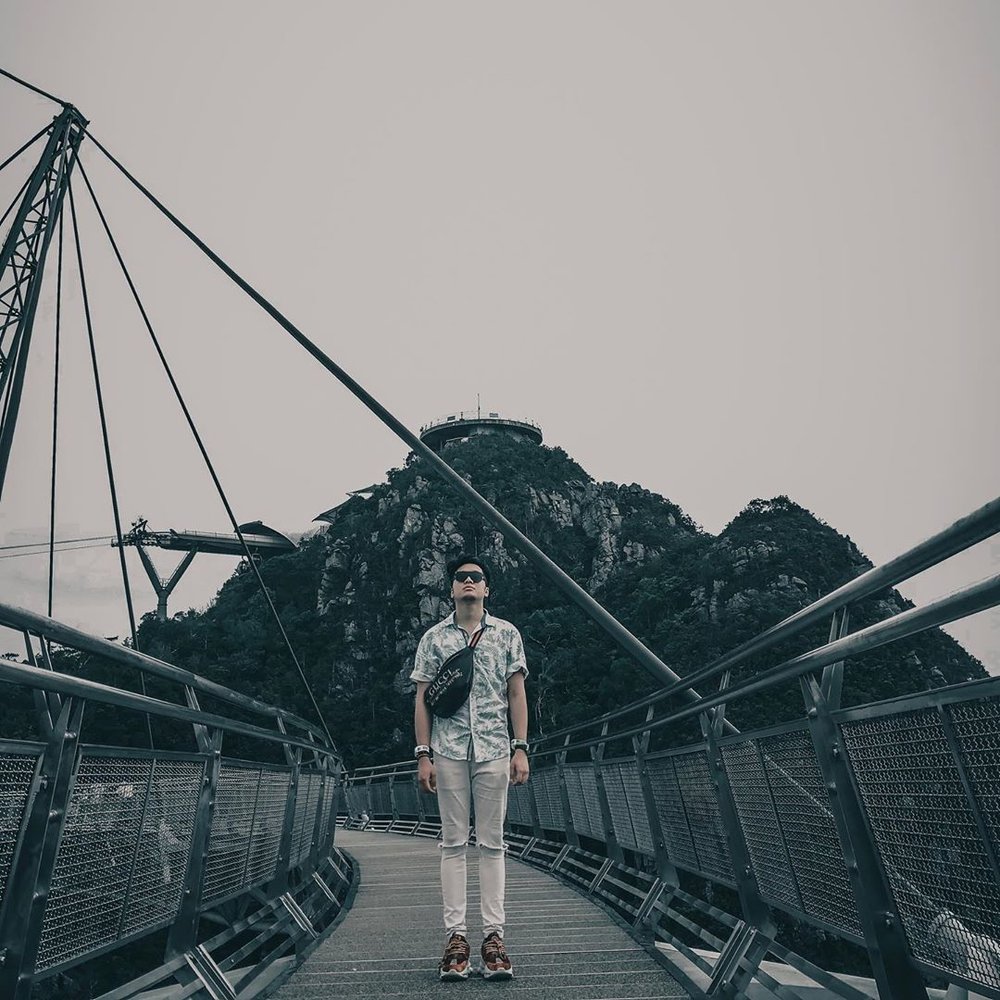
[[486, 782]]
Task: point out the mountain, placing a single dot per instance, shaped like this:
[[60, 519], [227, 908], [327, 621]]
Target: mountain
[[356, 598]]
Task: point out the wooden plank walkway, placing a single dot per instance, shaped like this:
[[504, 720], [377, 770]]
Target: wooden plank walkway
[[388, 945]]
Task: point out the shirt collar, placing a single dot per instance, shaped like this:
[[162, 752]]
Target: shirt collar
[[450, 620]]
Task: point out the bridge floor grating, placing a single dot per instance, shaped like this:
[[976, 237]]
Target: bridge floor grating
[[390, 942]]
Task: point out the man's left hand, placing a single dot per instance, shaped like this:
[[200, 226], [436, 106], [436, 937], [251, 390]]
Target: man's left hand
[[519, 768]]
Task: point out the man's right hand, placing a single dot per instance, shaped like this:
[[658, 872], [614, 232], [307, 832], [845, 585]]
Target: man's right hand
[[427, 775]]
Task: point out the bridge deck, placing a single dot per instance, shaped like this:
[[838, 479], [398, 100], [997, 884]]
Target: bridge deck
[[390, 942]]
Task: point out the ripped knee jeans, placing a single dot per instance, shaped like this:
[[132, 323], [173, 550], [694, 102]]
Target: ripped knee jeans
[[461, 783]]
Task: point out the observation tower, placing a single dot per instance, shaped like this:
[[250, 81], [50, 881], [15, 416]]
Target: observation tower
[[468, 423]]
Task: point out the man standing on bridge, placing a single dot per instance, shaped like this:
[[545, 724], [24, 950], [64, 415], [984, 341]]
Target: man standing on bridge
[[473, 758]]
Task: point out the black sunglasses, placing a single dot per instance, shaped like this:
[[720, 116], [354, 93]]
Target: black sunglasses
[[468, 574]]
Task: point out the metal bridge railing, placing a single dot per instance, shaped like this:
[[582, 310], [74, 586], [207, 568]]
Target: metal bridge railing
[[879, 824], [101, 846]]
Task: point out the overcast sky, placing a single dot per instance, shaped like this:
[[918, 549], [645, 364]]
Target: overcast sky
[[725, 251]]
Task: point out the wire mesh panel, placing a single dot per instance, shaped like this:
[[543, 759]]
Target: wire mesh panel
[[670, 810], [631, 783], [357, 799], [556, 807], [91, 875], [519, 805], [940, 873], [404, 795], [164, 844], [306, 804], [16, 772], [333, 793], [621, 818], [325, 783], [763, 835], [702, 808], [546, 788], [577, 804], [430, 804], [977, 727], [232, 824], [327, 801], [810, 833], [591, 799], [268, 823], [380, 801]]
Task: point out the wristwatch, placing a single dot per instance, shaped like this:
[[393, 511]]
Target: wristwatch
[[519, 745], [421, 751]]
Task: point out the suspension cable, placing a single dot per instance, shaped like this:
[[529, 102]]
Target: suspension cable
[[638, 652], [13, 156], [59, 541], [107, 444], [204, 454], [70, 548], [55, 415], [37, 90]]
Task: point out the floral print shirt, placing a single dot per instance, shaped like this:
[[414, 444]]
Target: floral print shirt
[[478, 731]]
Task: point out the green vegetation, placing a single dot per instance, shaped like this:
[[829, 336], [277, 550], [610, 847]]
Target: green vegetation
[[356, 598]]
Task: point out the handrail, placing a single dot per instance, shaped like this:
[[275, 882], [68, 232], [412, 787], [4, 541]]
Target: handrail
[[962, 534], [66, 635], [968, 601], [45, 680], [465, 416], [99, 824]]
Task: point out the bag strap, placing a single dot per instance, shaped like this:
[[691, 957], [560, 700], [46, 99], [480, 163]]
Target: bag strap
[[477, 637]]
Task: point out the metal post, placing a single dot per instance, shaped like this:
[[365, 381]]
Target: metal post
[[613, 848], [393, 808], [664, 866], [289, 753], [892, 965], [572, 838], [748, 944], [832, 684], [284, 864], [421, 811], [47, 704], [22, 910], [200, 732], [184, 931], [338, 794], [318, 821], [138, 844], [537, 833]]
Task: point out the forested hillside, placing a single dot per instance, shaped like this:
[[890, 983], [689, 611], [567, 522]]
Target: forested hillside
[[356, 598]]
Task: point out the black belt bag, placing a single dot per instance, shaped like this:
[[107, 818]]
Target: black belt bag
[[450, 689]]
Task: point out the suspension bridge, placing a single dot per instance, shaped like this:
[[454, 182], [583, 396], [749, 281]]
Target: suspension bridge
[[258, 862]]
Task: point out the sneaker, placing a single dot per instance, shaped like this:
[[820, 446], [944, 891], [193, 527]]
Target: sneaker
[[455, 963], [496, 964]]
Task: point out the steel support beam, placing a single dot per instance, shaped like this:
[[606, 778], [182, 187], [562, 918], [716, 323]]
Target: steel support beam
[[572, 837], [892, 964], [22, 265], [730, 977], [614, 850], [664, 866], [184, 932], [280, 882]]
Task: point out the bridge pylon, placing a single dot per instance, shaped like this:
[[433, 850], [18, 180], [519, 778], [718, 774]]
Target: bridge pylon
[[22, 263]]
